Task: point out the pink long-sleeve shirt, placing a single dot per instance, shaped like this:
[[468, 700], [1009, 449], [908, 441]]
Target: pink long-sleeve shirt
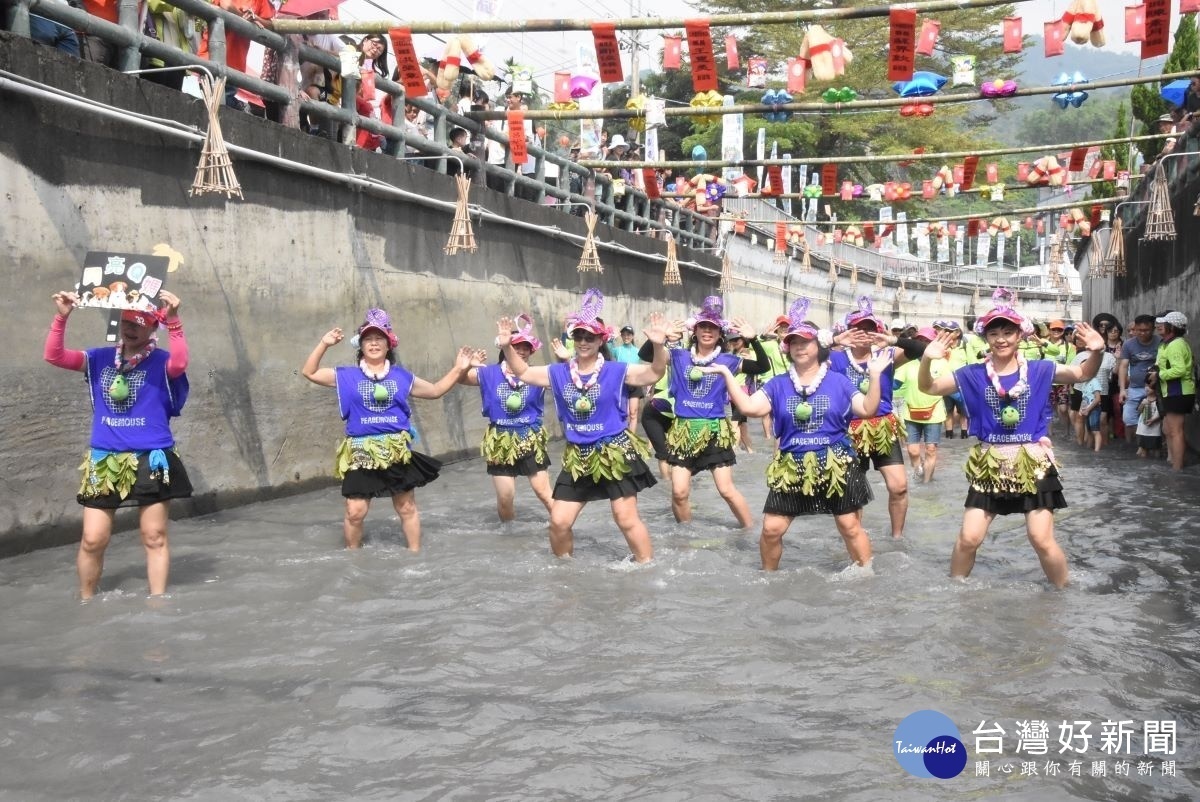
[[57, 354]]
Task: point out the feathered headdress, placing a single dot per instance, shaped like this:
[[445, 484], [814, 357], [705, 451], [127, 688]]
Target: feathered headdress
[[865, 311], [1004, 308], [525, 332], [378, 319], [588, 316]]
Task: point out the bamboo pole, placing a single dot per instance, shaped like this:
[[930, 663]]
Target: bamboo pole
[[915, 196], [982, 215], [827, 108], [713, 164], [282, 25]]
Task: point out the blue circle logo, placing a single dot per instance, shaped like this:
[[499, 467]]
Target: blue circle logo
[[927, 744]]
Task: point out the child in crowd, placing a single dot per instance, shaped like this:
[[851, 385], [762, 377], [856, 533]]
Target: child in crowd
[[1149, 426], [1089, 414]]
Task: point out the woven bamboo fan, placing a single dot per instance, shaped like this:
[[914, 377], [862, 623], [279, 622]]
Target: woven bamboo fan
[[590, 258], [214, 172], [1160, 220], [833, 270], [671, 272], [726, 275], [462, 236]]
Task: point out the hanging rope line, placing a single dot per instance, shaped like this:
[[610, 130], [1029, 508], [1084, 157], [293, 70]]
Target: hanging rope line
[[282, 25]]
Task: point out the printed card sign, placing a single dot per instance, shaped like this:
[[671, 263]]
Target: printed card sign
[[122, 280]]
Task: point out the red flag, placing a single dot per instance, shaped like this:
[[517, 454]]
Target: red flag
[[672, 47], [562, 87], [957, 173], [650, 179], [1188, 6], [780, 236], [1077, 157], [407, 63], [797, 68], [847, 191], [774, 183], [1096, 209], [928, 37], [1022, 171], [993, 173], [1054, 38], [1094, 170], [1158, 28], [700, 51], [516, 137], [731, 54], [1012, 35], [901, 41], [1110, 169], [1135, 23], [829, 179], [927, 190], [868, 231], [972, 228], [608, 52], [970, 166]]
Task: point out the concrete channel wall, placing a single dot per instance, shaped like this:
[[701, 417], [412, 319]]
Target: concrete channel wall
[[261, 279]]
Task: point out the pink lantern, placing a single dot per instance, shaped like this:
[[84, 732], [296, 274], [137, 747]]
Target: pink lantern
[[847, 190], [1022, 171], [582, 85]]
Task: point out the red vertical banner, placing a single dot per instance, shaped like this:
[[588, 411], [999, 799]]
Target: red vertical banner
[[608, 52], [829, 179], [1109, 170], [928, 37], [407, 63], [837, 51], [901, 41], [869, 231], [1188, 6], [516, 137], [780, 236], [672, 50], [1158, 28], [562, 87], [700, 51], [1096, 210], [774, 182], [1053, 32], [970, 167], [731, 54], [1013, 35], [992, 173], [1135, 23], [1078, 155], [927, 190], [797, 69], [1094, 170], [972, 228], [650, 179], [1022, 171], [847, 191]]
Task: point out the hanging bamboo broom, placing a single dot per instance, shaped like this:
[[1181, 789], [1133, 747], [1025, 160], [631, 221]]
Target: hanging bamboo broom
[[726, 275], [806, 259], [937, 300], [833, 270], [853, 275], [1114, 259], [878, 279], [214, 172], [590, 258], [462, 236], [1160, 220], [671, 273]]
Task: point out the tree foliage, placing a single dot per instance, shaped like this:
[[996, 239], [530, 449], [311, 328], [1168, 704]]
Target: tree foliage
[[1148, 105]]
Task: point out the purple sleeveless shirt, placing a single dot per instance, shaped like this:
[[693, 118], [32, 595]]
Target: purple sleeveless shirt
[[840, 362], [984, 404], [608, 408], [831, 413], [705, 398], [142, 421], [495, 392], [358, 407]]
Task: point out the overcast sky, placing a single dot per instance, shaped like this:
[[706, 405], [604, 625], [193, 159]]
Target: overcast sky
[[548, 52]]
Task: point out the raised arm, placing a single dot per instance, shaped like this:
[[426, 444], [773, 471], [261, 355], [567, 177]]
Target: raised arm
[[54, 351], [865, 405], [656, 334], [752, 406], [177, 364], [1074, 374], [478, 360], [942, 385], [428, 390], [538, 376], [312, 369]]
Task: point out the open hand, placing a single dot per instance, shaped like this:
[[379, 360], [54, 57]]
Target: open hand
[[332, 337], [65, 301]]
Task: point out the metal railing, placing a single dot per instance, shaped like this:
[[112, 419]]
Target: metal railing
[[631, 210]]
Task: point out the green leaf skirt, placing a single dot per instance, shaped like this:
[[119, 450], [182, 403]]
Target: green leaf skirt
[[124, 479]]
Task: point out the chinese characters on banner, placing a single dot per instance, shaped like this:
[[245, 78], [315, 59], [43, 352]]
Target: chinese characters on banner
[[900, 53], [1158, 28], [608, 52], [407, 63], [700, 51]]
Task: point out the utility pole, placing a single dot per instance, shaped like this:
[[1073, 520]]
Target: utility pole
[[632, 41]]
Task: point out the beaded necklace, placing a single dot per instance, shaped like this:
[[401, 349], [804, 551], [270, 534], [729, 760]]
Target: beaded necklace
[[695, 374], [583, 404], [804, 409], [379, 393], [119, 389], [1010, 416]]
